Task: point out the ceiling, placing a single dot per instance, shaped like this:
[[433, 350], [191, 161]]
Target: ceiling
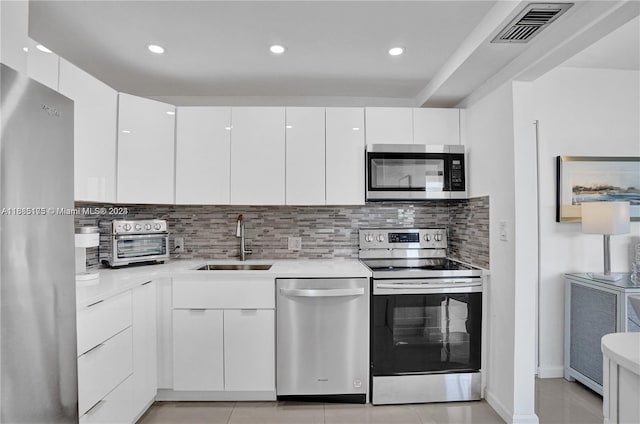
[[618, 50], [335, 49]]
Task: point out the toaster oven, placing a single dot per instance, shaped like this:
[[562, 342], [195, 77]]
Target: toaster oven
[[126, 242]]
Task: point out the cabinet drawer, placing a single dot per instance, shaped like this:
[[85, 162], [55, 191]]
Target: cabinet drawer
[[103, 320], [101, 369], [115, 408], [233, 293]]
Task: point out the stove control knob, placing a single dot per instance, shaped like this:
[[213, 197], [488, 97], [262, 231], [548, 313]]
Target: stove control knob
[[147, 227], [368, 238], [438, 237], [126, 227], [157, 226], [380, 237], [427, 237], [138, 227]]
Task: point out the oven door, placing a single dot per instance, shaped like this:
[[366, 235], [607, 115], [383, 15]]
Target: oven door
[[140, 247], [426, 331]]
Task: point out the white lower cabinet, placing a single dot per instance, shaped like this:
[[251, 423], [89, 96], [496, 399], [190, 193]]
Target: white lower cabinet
[[114, 408], [249, 350], [117, 351], [198, 358], [145, 347], [224, 343]]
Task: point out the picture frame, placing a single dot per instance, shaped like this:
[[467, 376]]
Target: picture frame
[[595, 179]]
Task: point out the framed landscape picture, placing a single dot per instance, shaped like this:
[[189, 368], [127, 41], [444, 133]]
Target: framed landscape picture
[[596, 179]]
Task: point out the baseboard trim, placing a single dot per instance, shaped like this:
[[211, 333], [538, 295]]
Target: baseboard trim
[[508, 416], [551, 372], [179, 395]]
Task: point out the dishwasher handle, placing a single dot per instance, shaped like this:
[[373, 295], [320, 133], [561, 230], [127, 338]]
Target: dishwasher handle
[[322, 292]]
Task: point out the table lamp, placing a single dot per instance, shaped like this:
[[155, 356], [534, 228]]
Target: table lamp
[[605, 218]]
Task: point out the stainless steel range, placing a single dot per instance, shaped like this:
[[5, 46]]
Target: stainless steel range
[[426, 318]]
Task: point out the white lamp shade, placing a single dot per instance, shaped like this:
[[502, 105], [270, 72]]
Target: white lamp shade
[[605, 217]]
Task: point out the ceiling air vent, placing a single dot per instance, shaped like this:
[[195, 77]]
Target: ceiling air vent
[[528, 23]]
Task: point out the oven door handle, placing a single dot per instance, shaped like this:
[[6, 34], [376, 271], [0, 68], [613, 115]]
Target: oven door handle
[[424, 285], [322, 292]]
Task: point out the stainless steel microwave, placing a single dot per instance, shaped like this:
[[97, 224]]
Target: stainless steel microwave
[[414, 172]]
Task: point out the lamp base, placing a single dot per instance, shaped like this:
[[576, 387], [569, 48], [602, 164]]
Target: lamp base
[[605, 277]]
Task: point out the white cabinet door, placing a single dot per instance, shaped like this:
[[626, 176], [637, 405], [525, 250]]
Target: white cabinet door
[[198, 358], [203, 155], [145, 359], [305, 156], [41, 66], [95, 122], [436, 126], [145, 150], [249, 348], [257, 156], [345, 156], [389, 125], [14, 20]]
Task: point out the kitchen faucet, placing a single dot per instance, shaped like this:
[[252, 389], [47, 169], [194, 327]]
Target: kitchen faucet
[[240, 233]]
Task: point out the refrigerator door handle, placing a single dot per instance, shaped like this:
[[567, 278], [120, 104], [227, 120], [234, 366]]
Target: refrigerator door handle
[[322, 292]]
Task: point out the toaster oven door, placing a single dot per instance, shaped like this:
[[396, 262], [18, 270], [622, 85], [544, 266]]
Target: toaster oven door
[[140, 247]]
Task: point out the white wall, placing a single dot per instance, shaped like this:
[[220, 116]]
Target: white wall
[[493, 124], [13, 34], [582, 112]]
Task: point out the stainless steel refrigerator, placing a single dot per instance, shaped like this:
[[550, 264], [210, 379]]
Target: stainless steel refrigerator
[[37, 296]]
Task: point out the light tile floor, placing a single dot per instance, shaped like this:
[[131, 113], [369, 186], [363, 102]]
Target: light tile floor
[[557, 401]]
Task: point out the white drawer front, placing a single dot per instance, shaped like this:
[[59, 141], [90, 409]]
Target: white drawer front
[[237, 293], [101, 369], [102, 320], [115, 408]]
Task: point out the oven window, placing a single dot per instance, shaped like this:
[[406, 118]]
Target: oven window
[[141, 247], [416, 334], [394, 172]]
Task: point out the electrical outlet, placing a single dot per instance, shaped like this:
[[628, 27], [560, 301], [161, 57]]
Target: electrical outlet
[[178, 245], [295, 243], [504, 233]]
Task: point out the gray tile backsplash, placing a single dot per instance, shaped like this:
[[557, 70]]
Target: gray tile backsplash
[[326, 231]]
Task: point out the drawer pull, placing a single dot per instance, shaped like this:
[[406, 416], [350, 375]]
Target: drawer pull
[[95, 303], [144, 284], [94, 348], [197, 309], [95, 407]]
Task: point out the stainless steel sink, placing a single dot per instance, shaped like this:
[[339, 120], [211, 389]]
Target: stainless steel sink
[[244, 267]]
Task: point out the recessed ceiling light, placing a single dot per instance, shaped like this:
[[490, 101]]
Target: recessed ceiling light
[[154, 48], [25, 49], [277, 49], [43, 48], [396, 51], [170, 112]]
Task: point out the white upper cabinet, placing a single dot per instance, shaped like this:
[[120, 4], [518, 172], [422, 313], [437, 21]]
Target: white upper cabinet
[[203, 155], [41, 66], [305, 157], [389, 125], [14, 19], [258, 156], [95, 121], [345, 156], [145, 150], [436, 126]]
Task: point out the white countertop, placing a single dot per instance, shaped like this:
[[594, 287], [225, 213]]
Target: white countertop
[[624, 349], [114, 281]]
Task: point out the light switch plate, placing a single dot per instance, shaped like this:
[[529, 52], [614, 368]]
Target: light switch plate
[[504, 233], [295, 243]]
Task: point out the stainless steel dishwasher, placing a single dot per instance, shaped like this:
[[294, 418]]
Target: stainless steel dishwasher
[[322, 348]]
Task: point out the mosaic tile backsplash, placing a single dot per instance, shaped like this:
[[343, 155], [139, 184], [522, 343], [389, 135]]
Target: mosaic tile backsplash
[[326, 231]]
